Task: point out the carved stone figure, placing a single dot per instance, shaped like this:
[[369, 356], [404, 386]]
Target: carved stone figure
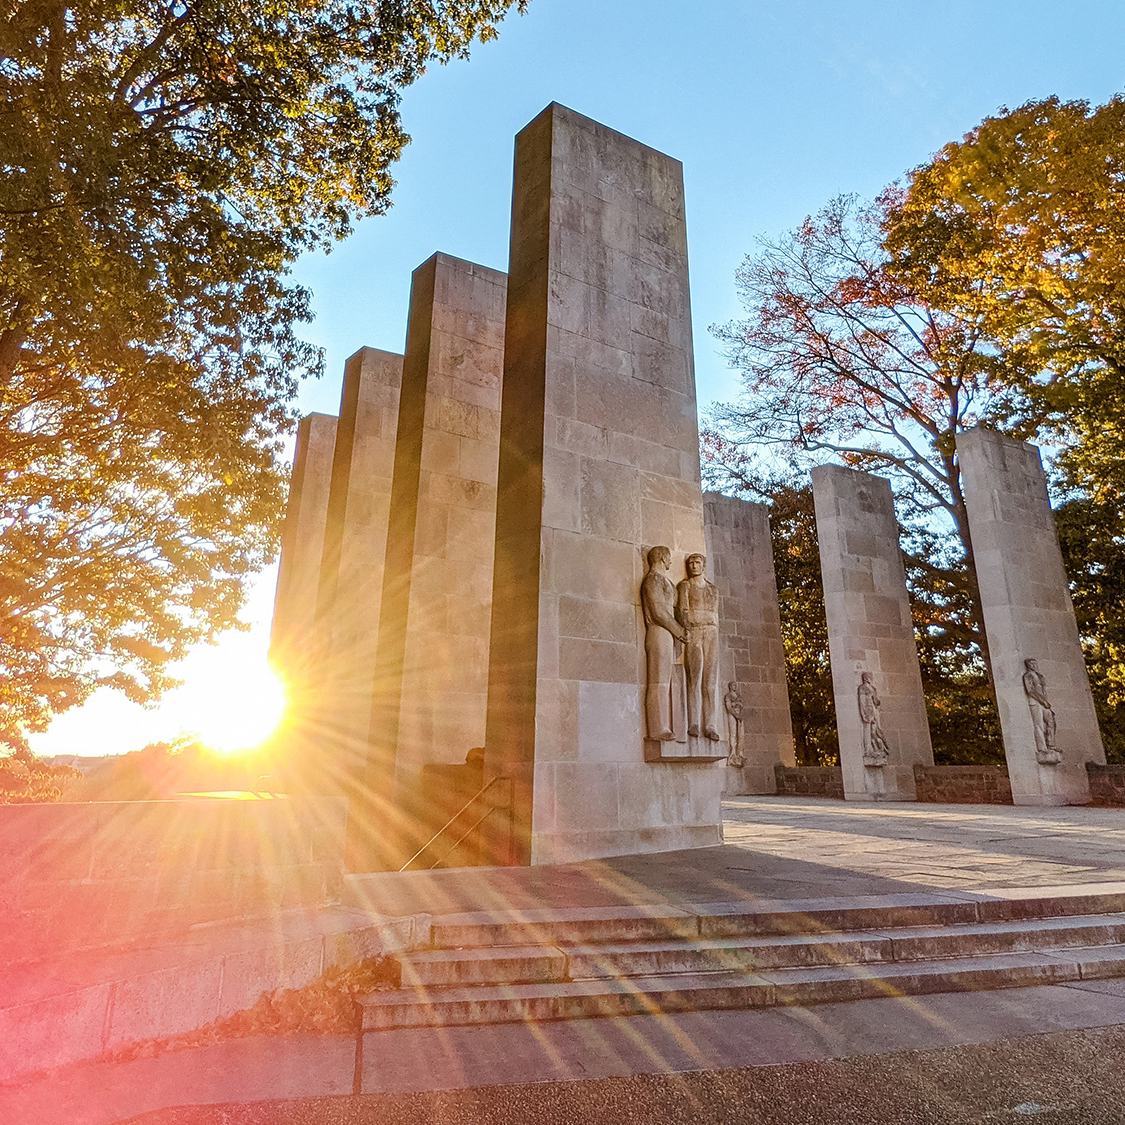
[[733, 704], [1042, 716], [663, 636], [697, 610], [876, 752]]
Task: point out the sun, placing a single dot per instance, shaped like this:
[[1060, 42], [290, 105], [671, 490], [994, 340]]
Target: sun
[[242, 710]]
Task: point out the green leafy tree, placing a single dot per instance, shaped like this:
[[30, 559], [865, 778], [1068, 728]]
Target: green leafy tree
[[162, 165]]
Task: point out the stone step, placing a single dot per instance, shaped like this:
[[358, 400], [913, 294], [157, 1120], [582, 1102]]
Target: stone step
[[507, 964], [528, 964], [616, 996], [846, 948], [601, 925]]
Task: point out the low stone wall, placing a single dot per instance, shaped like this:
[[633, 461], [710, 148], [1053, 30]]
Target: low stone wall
[[963, 785], [79, 876], [1107, 783], [809, 781]]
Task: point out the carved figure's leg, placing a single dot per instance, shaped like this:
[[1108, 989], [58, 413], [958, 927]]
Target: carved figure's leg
[[658, 704], [710, 681], [693, 662]]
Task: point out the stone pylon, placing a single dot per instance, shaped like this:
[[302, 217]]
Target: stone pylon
[[431, 678], [351, 576], [599, 462], [295, 635], [876, 678], [756, 697], [1043, 695]]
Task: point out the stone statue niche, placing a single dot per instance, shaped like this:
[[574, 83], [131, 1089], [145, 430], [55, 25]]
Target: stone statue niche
[[1042, 715], [734, 706], [682, 699], [876, 752]]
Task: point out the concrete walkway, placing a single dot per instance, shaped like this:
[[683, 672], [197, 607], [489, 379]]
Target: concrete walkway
[[776, 849]]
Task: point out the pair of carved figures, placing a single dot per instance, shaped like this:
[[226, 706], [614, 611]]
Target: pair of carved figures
[[681, 624]]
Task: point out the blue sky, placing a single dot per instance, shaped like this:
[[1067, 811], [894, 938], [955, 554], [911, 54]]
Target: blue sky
[[773, 107]]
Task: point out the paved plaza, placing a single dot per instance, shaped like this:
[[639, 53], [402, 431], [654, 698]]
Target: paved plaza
[[798, 848]]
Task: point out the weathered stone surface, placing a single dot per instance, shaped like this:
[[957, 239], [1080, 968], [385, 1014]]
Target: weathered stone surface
[[738, 544], [1107, 783], [293, 632], [963, 785], [809, 781], [1028, 616], [599, 461], [351, 578], [869, 632], [431, 678]]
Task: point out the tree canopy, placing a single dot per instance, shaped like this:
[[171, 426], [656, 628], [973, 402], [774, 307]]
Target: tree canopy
[[162, 165], [989, 290]]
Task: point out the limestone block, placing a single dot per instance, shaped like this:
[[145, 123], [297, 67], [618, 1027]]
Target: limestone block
[[431, 677], [1028, 616], [869, 632], [741, 554], [293, 630], [599, 461], [351, 576]]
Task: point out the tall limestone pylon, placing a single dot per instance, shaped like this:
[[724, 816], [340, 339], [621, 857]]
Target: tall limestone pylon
[[1043, 695], [876, 678], [351, 576], [755, 694], [599, 462], [431, 677], [294, 633]]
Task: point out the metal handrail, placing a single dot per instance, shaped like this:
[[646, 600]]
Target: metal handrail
[[437, 835]]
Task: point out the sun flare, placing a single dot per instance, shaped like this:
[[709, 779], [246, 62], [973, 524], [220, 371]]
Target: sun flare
[[242, 711]]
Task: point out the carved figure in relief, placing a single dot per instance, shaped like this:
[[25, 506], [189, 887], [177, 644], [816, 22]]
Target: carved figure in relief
[[876, 752], [1042, 715], [733, 704], [663, 637], [697, 609]]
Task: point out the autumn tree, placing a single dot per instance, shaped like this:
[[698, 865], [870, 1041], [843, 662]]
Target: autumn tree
[[1023, 223], [962, 717], [162, 165], [842, 360]]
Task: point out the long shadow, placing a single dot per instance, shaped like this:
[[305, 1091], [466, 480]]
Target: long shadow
[[728, 873]]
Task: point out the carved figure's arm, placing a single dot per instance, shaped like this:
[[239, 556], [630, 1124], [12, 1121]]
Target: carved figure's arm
[[657, 614]]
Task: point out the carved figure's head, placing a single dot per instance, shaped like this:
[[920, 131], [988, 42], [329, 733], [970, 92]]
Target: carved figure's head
[[660, 558], [732, 686], [1031, 665], [866, 678], [695, 564]]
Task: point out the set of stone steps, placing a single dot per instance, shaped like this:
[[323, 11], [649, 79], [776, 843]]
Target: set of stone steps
[[498, 967]]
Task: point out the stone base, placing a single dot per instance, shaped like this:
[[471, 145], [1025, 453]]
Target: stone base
[[886, 783], [751, 780], [571, 847], [694, 750]]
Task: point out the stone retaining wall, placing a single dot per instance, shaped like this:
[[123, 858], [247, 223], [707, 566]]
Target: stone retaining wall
[[963, 785], [809, 781], [79, 876], [1107, 783]]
